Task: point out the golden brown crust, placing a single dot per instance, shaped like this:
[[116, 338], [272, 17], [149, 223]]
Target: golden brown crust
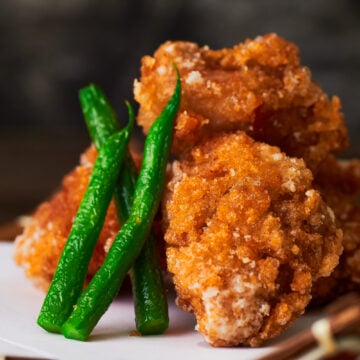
[[258, 86], [246, 237]]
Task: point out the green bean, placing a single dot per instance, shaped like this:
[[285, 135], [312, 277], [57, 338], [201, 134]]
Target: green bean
[[102, 289], [151, 311], [71, 271], [100, 118]]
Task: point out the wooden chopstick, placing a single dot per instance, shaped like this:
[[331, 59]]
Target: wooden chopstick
[[345, 319]]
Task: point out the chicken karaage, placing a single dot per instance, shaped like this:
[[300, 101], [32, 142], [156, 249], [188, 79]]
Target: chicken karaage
[[247, 235], [258, 86], [339, 184], [257, 210]]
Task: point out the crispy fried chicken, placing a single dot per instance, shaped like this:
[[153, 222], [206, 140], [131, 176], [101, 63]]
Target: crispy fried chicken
[[247, 235], [258, 86]]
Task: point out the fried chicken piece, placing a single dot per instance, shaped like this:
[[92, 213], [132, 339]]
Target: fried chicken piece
[[339, 184], [246, 237], [259, 87], [39, 247]]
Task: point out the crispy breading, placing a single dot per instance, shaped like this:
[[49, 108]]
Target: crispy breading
[[339, 184], [247, 235], [258, 86], [39, 247]]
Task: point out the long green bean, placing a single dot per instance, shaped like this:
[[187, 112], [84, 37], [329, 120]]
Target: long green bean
[[71, 271], [127, 245], [151, 310]]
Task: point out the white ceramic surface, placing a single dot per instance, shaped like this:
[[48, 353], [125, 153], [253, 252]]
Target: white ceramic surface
[[19, 334]]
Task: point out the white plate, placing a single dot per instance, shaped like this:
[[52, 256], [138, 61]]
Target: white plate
[[20, 303]]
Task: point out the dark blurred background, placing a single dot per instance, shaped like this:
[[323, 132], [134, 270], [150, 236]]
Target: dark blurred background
[[50, 49]]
